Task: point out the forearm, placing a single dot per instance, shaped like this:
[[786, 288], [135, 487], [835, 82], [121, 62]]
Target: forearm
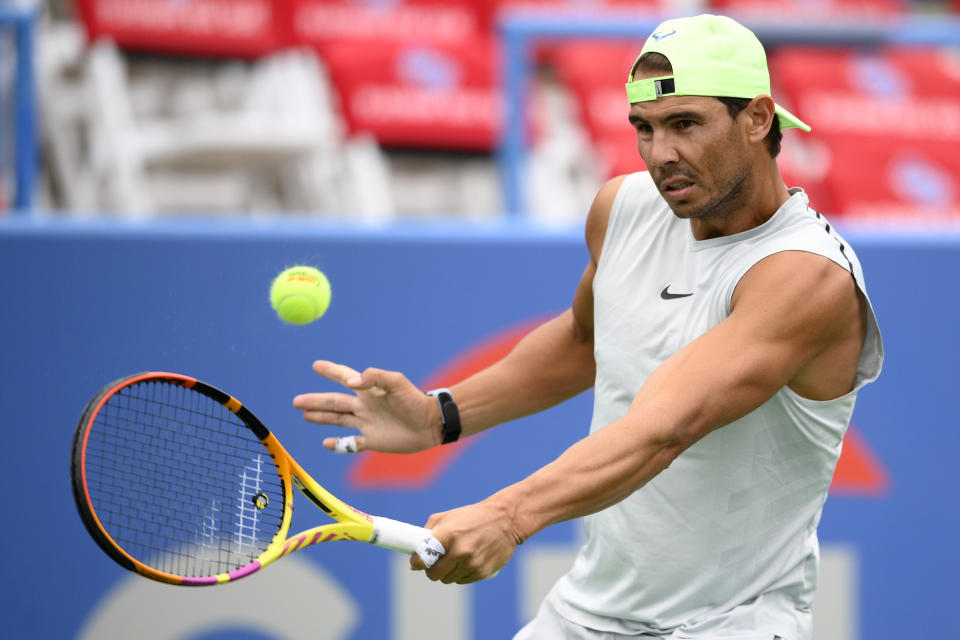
[[711, 382], [552, 363], [591, 475]]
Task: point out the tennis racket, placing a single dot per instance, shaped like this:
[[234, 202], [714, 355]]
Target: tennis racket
[[179, 482]]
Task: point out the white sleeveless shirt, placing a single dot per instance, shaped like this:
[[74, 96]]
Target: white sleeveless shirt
[[722, 543]]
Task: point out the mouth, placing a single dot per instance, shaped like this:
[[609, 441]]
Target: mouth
[[676, 187]]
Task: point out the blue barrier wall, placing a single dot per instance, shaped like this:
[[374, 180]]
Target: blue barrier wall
[[83, 305]]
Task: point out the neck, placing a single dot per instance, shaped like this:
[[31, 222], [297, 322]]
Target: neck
[[751, 203]]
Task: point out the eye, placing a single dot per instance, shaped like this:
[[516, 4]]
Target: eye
[[684, 124], [643, 128]]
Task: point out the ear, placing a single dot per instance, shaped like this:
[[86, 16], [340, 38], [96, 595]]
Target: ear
[[758, 118]]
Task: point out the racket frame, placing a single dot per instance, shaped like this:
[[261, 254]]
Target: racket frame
[[349, 523]]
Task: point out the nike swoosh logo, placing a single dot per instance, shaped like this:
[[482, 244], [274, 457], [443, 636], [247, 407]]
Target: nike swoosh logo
[[660, 36], [666, 295]]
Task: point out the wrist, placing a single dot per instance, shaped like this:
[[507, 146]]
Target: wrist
[[450, 427], [506, 503], [435, 423]]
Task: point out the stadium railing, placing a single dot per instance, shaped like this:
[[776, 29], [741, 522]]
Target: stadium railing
[[20, 22]]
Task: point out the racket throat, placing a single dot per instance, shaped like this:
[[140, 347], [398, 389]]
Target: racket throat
[[314, 498]]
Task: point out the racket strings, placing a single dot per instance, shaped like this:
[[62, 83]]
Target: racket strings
[[179, 482]]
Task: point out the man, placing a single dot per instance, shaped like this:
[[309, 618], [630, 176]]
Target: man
[[726, 330]]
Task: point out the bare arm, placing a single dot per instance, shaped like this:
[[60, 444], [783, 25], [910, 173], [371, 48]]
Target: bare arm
[[552, 363], [788, 310], [555, 361]]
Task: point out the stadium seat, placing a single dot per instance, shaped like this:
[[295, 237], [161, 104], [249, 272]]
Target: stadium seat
[[319, 22], [224, 137], [222, 28], [439, 96], [887, 124], [412, 74]]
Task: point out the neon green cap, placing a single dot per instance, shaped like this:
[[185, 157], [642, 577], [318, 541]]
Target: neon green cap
[[711, 56]]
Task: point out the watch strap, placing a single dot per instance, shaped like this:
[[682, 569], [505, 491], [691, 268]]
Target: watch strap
[[448, 413]]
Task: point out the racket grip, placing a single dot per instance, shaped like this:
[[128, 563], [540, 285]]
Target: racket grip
[[406, 538]]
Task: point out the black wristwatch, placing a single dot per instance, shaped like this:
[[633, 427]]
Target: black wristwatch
[[448, 413]]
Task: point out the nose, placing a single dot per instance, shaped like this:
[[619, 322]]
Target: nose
[[660, 150]]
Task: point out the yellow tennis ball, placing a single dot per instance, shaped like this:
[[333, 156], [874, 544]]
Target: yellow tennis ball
[[300, 294]]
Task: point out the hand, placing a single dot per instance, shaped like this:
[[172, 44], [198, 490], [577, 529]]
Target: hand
[[390, 412], [479, 540]]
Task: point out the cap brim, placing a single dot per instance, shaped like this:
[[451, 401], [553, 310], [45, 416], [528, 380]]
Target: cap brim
[[790, 121]]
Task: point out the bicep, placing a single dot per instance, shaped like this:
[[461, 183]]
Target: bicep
[[787, 309], [582, 307]]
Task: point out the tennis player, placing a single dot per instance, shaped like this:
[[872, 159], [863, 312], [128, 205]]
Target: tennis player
[[726, 330]]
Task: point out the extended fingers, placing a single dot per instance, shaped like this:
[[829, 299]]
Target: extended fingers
[[377, 381], [326, 403], [347, 376]]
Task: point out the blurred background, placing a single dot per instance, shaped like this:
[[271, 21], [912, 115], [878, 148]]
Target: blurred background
[[376, 110], [162, 160]]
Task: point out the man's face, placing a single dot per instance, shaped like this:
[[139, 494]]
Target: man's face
[[698, 156]]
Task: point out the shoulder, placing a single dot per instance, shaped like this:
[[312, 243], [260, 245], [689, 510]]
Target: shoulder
[[638, 185], [800, 228], [810, 308], [809, 294], [794, 270]]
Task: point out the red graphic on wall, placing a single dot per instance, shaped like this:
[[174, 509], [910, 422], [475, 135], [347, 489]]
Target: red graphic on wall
[[858, 472], [375, 470]]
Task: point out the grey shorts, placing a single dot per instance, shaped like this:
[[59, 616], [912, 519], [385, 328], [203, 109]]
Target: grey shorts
[[550, 625]]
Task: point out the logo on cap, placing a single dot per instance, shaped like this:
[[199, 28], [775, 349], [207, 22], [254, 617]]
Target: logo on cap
[[658, 36]]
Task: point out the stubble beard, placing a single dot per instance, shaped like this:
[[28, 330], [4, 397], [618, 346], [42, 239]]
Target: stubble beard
[[722, 207]]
